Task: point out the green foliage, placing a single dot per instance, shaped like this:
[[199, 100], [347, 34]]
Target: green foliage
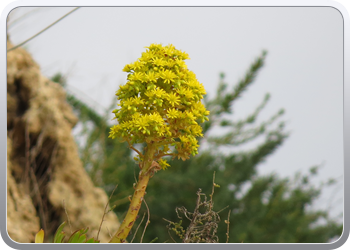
[[271, 209], [59, 235], [78, 236]]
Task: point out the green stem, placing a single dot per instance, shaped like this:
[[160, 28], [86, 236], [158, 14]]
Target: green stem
[[130, 218]]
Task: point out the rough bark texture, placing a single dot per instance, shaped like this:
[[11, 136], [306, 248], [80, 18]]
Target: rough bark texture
[[44, 172]]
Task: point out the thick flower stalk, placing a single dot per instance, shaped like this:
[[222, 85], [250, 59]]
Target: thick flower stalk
[[160, 105]]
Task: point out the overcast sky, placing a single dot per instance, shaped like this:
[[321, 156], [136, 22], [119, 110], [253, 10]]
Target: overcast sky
[[303, 71]]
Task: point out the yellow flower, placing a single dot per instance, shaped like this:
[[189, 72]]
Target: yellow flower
[[137, 76], [163, 164], [169, 63], [147, 56], [154, 46], [158, 61], [169, 50], [142, 124], [191, 117], [181, 63], [196, 130], [159, 92], [173, 113], [127, 68], [173, 99], [168, 76], [161, 102], [138, 65], [151, 77]]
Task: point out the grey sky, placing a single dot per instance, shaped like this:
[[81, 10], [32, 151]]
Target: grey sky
[[303, 71]]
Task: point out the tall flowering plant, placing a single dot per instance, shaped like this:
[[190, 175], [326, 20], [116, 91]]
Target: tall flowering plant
[[160, 105]]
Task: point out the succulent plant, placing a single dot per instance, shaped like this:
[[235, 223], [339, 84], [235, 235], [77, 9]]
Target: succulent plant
[[160, 105]]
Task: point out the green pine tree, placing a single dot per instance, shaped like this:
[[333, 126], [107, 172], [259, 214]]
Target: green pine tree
[[271, 210]]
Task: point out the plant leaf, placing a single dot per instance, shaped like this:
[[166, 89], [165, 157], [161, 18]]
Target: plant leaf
[[59, 235], [39, 237], [92, 240], [74, 237]]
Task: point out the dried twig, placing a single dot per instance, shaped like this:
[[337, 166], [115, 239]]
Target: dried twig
[[49, 168], [135, 178], [104, 213], [171, 236], [148, 221], [212, 191], [228, 226], [156, 238], [27, 146], [203, 226], [131, 147], [222, 209], [138, 227], [22, 43], [65, 210], [109, 233], [41, 206], [14, 21]]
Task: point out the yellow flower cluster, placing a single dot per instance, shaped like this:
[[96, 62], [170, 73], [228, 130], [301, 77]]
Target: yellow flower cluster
[[160, 104]]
